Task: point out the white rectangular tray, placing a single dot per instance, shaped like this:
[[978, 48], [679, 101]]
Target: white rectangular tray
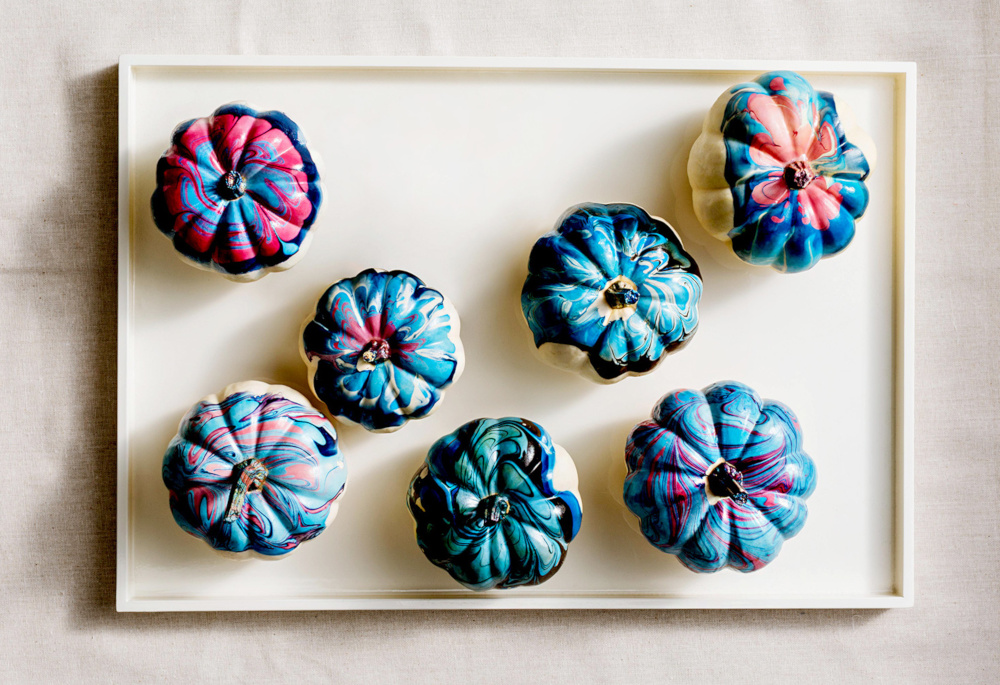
[[451, 168]]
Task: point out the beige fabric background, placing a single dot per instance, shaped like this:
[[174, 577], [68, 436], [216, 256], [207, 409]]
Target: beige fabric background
[[58, 161]]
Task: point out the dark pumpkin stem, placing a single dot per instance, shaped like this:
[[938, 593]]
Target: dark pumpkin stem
[[232, 186], [620, 295], [798, 175], [250, 478], [493, 509], [725, 480], [376, 351]]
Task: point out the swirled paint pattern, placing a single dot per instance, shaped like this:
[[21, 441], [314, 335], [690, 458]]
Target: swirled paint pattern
[[797, 183], [615, 283], [486, 509], [669, 485], [382, 348], [237, 192], [292, 447]]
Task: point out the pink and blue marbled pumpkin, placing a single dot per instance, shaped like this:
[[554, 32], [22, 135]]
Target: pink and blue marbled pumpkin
[[237, 192], [718, 477], [255, 469], [778, 172]]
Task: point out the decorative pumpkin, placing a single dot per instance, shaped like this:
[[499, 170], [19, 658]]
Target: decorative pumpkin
[[255, 469], [719, 477], [610, 292], [773, 172], [382, 348], [237, 192], [495, 504]]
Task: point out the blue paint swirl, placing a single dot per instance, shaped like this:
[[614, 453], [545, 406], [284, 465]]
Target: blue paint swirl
[[485, 507]]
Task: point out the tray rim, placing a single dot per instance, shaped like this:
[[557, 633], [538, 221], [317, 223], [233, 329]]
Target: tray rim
[[902, 594]]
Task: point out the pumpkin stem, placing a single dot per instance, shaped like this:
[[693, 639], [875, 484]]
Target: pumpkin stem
[[725, 480], [232, 186], [621, 294], [798, 174], [250, 479], [376, 351], [493, 509]]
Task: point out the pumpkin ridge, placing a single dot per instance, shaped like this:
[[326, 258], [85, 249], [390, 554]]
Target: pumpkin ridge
[[262, 206], [253, 135], [210, 167], [690, 549], [265, 512], [179, 148], [674, 430], [672, 307], [776, 517], [549, 274], [747, 423], [191, 435], [575, 236]]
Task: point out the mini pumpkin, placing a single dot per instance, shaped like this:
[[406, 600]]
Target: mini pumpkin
[[780, 173], [382, 347], [495, 504], [237, 192], [718, 477], [254, 469], [610, 292]]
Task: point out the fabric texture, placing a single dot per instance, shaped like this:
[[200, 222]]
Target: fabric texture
[[58, 79]]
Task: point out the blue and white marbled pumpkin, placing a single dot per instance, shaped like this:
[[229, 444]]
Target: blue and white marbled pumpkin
[[495, 504], [610, 292], [718, 477], [382, 348], [255, 469]]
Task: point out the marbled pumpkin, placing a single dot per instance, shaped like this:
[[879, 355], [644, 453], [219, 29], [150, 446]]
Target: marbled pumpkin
[[254, 469], [495, 504], [382, 348], [610, 292], [719, 477], [237, 192], [778, 172]]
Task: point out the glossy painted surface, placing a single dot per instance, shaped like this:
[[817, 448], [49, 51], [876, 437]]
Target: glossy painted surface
[[488, 505], [674, 463], [612, 289], [237, 192], [382, 348], [256, 470], [796, 182]]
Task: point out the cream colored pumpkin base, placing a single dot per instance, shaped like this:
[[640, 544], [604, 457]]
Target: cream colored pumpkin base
[[564, 474]]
